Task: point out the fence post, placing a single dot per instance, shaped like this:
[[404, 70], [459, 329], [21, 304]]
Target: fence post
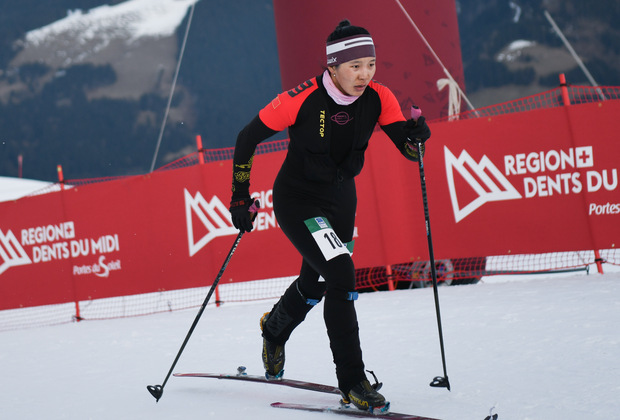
[[564, 88], [61, 180], [201, 160], [201, 156], [390, 277], [599, 261], [566, 98], [218, 302]]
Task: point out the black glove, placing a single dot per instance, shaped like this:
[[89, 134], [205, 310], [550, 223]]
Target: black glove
[[411, 151], [417, 130], [241, 215]]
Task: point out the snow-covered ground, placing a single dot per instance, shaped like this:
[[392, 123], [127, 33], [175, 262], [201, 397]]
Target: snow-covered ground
[[533, 348], [15, 188]]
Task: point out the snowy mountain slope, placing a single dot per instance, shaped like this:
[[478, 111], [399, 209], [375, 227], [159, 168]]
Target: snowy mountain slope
[[104, 76], [129, 40], [136, 37], [129, 21]]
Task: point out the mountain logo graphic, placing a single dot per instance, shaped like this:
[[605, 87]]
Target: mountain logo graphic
[[11, 252], [209, 219], [477, 183]]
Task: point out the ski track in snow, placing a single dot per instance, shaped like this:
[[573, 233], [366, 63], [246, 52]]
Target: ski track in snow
[[541, 348]]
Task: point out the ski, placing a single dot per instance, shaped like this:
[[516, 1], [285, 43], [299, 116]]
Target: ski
[[242, 376], [349, 411]]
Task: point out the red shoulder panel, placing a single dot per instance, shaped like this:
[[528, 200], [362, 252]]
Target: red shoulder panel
[[390, 108], [282, 111]]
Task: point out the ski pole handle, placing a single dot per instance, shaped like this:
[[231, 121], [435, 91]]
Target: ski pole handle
[[254, 209], [415, 112], [415, 115]]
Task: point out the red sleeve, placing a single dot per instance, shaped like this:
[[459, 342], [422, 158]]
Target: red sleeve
[[390, 108], [282, 111]]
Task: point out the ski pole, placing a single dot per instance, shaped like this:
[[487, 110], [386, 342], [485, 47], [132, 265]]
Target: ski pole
[[157, 390], [438, 381]]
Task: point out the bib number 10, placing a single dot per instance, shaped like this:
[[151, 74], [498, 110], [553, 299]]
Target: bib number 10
[[330, 245]]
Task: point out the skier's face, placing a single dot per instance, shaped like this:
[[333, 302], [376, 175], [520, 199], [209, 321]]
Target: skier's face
[[353, 76]]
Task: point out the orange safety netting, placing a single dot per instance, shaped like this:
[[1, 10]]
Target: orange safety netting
[[550, 99]]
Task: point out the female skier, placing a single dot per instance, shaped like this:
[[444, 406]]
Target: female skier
[[330, 119]]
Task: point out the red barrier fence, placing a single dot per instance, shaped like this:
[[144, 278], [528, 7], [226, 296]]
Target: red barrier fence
[[540, 182]]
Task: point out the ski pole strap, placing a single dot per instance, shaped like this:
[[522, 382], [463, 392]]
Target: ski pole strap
[[241, 202]]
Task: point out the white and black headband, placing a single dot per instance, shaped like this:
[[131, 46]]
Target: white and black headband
[[346, 49]]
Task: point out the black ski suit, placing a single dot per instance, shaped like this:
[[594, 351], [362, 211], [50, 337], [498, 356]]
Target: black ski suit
[[316, 185]]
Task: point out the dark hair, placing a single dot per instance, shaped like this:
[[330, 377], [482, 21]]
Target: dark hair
[[344, 30]]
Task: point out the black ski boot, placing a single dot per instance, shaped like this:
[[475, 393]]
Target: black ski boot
[[365, 397], [273, 354], [277, 326]]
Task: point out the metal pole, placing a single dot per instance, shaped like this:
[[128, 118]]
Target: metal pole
[[574, 54], [438, 381], [174, 83], [158, 390]]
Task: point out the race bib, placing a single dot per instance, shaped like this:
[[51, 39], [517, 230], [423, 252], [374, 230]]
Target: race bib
[[330, 245]]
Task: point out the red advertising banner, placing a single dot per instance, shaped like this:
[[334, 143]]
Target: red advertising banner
[[533, 182], [529, 182], [540, 181], [163, 231]]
